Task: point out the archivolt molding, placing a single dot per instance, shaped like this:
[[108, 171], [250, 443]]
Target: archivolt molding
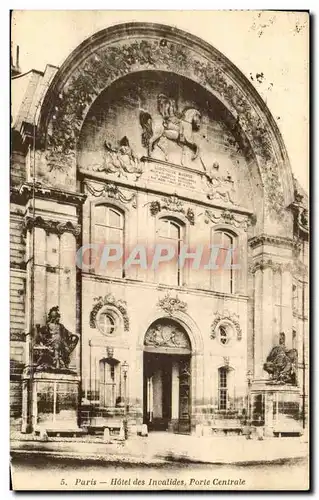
[[232, 318], [109, 55], [109, 300]]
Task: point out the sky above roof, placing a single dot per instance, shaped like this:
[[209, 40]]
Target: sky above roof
[[270, 48]]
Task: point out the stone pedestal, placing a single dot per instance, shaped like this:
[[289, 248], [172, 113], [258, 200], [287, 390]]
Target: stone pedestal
[[54, 402], [276, 408]]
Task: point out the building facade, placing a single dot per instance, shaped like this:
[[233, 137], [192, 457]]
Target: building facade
[[148, 138]]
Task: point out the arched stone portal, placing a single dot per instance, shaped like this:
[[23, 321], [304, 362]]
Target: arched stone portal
[[167, 377]]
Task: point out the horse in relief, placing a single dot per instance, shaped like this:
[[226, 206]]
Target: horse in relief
[[174, 126]]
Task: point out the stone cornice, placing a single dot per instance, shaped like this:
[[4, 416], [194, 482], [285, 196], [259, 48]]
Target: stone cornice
[[52, 226], [277, 241], [25, 193]]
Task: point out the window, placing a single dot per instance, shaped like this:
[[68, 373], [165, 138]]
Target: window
[[108, 229], [170, 233], [223, 334], [222, 278], [109, 382], [106, 323], [223, 396]]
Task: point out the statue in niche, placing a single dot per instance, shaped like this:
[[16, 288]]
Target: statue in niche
[[120, 160], [54, 344], [174, 126], [220, 187], [281, 363]]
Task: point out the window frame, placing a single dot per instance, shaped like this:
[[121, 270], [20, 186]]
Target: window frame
[[122, 213], [223, 389], [111, 367], [233, 284], [181, 225]]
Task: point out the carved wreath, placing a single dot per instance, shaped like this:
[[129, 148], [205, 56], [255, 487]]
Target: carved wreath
[[229, 317], [109, 300]]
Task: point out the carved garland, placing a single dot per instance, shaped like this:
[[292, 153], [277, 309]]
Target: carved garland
[[226, 316], [112, 191], [108, 63], [109, 300], [172, 305], [228, 217], [172, 204]]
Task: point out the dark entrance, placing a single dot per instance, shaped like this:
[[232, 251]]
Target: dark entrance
[[167, 377]]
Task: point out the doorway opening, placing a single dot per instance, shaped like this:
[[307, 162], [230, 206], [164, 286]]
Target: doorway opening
[[167, 377]]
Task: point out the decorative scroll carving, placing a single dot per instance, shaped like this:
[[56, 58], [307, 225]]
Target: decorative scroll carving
[[52, 226], [120, 160], [109, 300], [54, 344], [108, 62], [227, 217], [172, 204], [220, 187], [226, 316], [166, 335], [174, 126], [281, 363], [172, 305], [112, 191]]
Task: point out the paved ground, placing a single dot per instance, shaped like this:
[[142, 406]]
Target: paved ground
[[161, 447]]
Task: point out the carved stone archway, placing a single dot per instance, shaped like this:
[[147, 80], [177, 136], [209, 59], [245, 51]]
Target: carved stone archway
[[124, 49]]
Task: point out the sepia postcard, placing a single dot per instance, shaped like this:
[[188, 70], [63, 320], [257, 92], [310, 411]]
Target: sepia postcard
[[159, 236]]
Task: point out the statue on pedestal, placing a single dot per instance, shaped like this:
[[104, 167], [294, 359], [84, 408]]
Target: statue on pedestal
[[281, 363], [54, 344]]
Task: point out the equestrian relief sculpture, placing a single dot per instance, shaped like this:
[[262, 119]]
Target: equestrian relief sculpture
[[174, 126]]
